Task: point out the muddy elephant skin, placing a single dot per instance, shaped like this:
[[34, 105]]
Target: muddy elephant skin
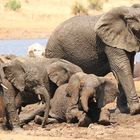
[[75, 101], [30, 77]]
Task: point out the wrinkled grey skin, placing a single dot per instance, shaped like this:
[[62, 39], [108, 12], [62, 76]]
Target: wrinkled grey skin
[[28, 76], [87, 86], [137, 71], [91, 87], [60, 111], [100, 44], [74, 101]]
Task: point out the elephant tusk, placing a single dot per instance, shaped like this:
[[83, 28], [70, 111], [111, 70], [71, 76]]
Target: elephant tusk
[[4, 86], [39, 97]]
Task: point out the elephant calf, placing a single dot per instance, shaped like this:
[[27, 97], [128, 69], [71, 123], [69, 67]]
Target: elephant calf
[[88, 88], [81, 99]]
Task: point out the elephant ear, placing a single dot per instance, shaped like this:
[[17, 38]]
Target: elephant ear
[[59, 72], [113, 29], [15, 73], [108, 92]]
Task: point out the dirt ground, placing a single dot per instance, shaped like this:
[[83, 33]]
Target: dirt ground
[[123, 126]]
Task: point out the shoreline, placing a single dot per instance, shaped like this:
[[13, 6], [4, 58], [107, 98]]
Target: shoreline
[[18, 33]]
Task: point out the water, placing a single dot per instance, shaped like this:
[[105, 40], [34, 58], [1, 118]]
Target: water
[[137, 57], [20, 46]]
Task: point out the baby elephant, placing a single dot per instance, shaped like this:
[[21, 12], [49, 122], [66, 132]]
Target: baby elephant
[[90, 87], [81, 99]]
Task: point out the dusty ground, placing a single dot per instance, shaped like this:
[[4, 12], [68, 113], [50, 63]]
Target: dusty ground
[[126, 127], [123, 127]]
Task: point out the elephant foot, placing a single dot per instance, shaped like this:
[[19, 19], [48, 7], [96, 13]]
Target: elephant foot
[[135, 109], [84, 121], [123, 109], [104, 117], [17, 129], [3, 127], [38, 119]]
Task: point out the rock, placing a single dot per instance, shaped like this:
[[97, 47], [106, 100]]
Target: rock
[[36, 50]]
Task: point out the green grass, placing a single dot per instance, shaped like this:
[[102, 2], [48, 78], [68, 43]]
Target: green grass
[[13, 4]]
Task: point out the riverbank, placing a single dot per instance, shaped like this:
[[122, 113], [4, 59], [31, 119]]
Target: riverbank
[[24, 33]]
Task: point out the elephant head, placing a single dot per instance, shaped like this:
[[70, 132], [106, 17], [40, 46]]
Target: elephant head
[[120, 28], [60, 72], [23, 78], [15, 73]]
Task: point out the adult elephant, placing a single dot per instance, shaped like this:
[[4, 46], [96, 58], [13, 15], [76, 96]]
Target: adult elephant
[[100, 44]]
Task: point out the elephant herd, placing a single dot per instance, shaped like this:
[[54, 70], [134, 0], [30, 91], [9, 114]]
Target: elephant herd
[[70, 80], [66, 92]]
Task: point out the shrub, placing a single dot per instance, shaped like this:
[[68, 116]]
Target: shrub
[[96, 4], [13, 4], [78, 8]]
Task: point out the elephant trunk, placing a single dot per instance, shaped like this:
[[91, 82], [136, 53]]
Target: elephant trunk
[[86, 94], [41, 90], [47, 108]]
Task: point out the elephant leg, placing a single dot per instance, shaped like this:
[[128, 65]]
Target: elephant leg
[[2, 111], [38, 120], [122, 101], [31, 116], [120, 64], [9, 100], [41, 90], [104, 118]]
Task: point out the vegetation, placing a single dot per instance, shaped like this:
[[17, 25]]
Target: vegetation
[[13, 4], [96, 4], [78, 9]]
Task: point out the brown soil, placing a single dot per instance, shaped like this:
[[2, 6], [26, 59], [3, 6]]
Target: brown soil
[[123, 127]]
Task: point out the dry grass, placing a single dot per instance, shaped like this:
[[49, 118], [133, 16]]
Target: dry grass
[[42, 15]]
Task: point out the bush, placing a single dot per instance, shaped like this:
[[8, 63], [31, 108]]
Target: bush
[[13, 4], [96, 4], [78, 8]]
